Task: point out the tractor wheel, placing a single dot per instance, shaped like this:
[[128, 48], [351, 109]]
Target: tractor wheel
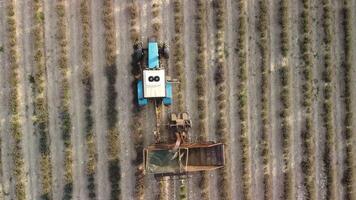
[[138, 54], [165, 51]]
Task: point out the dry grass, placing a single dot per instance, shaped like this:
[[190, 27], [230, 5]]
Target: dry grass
[[156, 22], [307, 134], [201, 83], [137, 118], [65, 118], [284, 77], [14, 101], [328, 101], [178, 55], [348, 177], [87, 81], [112, 137], [222, 127], [263, 29], [41, 121], [242, 99]]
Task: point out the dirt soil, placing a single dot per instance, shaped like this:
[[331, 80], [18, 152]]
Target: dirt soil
[[126, 93]]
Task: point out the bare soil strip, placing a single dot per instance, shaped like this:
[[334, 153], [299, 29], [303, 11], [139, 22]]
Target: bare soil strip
[[100, 98], [51, 55], [76, 101], [337, 84], [190, 94], [254, 96], [232, 61], [279, 16], [30, 139], [126, 100]]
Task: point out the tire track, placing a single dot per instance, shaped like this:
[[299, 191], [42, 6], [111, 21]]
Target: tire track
[[77, 106], [30, 142], [233, 106], [190, 93], [296, 110], [254, 119], [51, 54], [99, 97], [125, 97]]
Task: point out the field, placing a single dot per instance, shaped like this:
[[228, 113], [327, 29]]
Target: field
[[275, 80]]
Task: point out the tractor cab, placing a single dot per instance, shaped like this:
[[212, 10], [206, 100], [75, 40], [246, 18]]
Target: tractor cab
[[153, 83]]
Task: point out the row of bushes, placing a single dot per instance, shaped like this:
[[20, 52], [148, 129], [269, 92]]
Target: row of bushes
[[328, 102], [65, 118], [348, 177], [201, 84], [87, 81], [307, 133], [14, 101], [284, 77], [156, 24], [220, 80], [137, 118], [242, 99], [112, 137], [178, 55], [262, 28], [40, 103]]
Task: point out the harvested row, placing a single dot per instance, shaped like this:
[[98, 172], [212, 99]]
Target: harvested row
[[111, 110], [65, 118], [40, 103], [284, 77], [87, 81], [201, 84], [220, 81], [14, 101], [307, 134], [348, 173], [136, 125], [242, 99], [263, 29], [328, 90]]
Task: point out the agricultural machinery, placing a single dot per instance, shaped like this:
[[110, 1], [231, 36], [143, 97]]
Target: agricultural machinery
[[180, 156]]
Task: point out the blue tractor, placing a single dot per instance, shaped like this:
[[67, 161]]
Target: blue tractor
[[153, 82]]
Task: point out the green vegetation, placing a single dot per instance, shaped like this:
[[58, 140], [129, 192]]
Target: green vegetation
[[14, 101], [41, 121], [307, 134], [263, 30], [87, 81], [65, 119], [242, 99], [348, 177]]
